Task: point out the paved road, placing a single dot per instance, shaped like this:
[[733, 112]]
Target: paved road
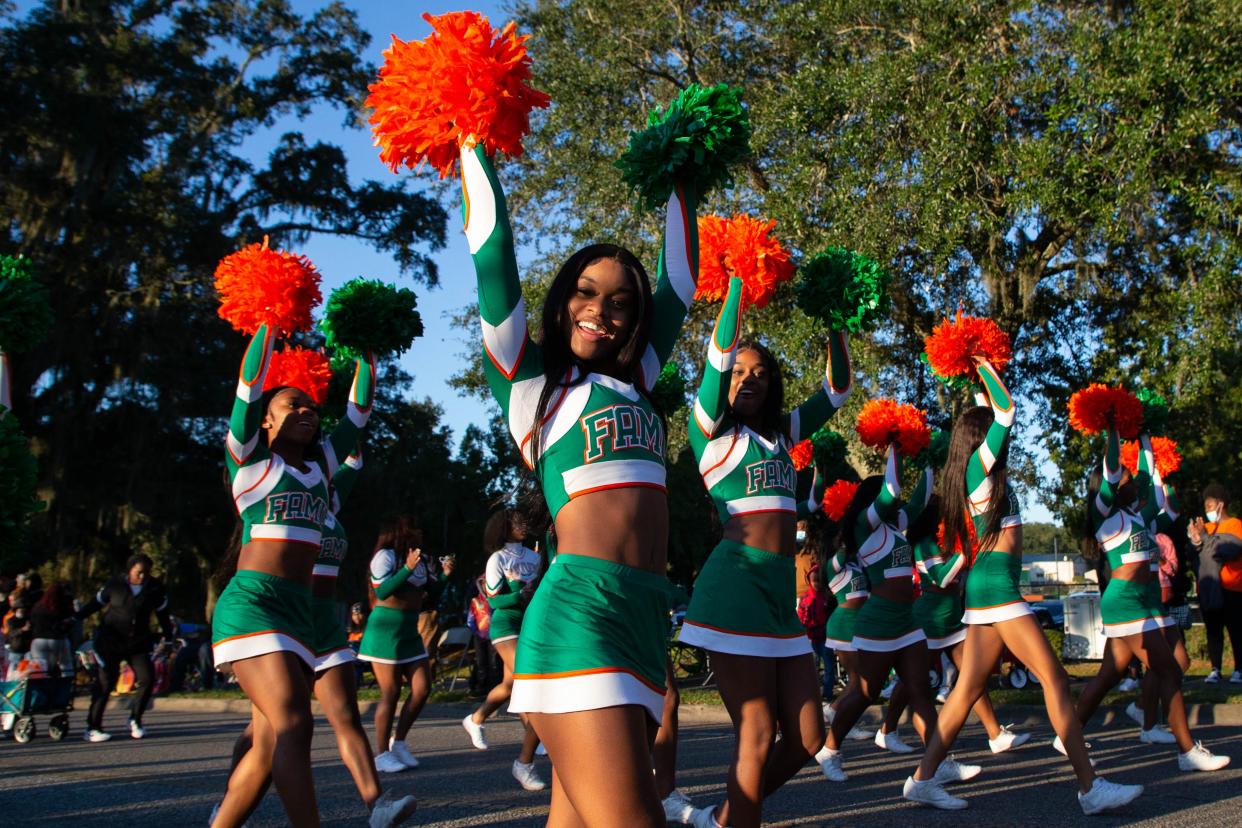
[[175, 775]]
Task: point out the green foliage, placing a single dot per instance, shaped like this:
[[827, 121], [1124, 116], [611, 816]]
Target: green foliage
[[17, 493], [696, 141], [25, 316], [936, 453], [1155, 411], [369, 316], [845, 289]]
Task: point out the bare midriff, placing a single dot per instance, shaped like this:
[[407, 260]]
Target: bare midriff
[[627, 526], [853, 603], [952, 589], [1008, 541], [408, 598], [900, 590], [284, 559], [323, 586], [770, 531], [1138, 572]]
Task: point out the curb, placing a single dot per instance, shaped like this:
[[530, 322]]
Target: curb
[[1020, 715]]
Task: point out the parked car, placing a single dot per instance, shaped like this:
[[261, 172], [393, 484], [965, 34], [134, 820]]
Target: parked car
[[1049, 613]]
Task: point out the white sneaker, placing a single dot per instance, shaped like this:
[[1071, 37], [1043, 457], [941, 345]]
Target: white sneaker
[[540, 750], [1059, 747], [930, 792], [386, 762], [1128, 685], [1007, 739], [887, 692], [942, 695], [1212, 677], [136, 730], [527, 777], [859, 734], [1236, 677], [830, 713], [678, 808], [891, 741], [399, 750], [1135, 714], [1199, 758], [951, 770], [388, 812], [704, 818], [476, 733], [830, 763], [1158, 735], [96, 736], [1105, 795]]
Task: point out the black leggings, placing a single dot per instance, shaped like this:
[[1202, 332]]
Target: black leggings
[[144, 676], [1217, 621]]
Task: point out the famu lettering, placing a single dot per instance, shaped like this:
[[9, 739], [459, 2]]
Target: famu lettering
[[333, 549], [288, 506], [770, 474], [621, 427]]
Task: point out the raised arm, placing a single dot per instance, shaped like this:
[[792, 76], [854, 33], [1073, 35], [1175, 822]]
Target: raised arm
[[344, 438], [806, 419], [346, 478], [919, 499], [934, 566], [676, 276], [242, 443], [712, 400], [885, 506], [815, 500], [1105, 504], [1160, 511], [984, 457], [509, 355]]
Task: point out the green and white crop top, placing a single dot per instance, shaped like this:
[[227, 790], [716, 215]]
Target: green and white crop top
[[745, 472], [848, 580], [508, 569], [275, 500], [1128, 536], [334, 544], [980, 495], [599, 432], [933, 566], [883, 550], [387, 576]]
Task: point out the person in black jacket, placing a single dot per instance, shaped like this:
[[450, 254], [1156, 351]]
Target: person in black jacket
[[124, 634]]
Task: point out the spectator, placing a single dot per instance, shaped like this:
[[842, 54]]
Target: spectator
[[17, 636], [1218, 542], [487, 669], [50, 622], [450, 604], [124, 634]]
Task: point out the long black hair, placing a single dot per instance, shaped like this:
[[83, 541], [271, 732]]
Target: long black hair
[[864, 496], [821, 535], [927, 523], [774, 403], [558, 359], [969, 432]]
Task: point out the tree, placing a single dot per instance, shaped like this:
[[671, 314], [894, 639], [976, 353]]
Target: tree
[[123, 135], [1070, 169]]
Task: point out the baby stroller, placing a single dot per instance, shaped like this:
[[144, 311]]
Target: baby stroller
[[35, 692]]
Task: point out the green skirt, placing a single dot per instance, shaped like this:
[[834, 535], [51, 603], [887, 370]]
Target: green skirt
[[839, 633], [885, 626], [331, 643], [595, 635], [1130, 608], [745, 603], [992, 592], [939, 615], [391, 637], [506, 624], [259, 614]]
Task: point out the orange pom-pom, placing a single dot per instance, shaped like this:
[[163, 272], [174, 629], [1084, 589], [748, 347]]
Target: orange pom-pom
[[1168, 457], [882, 422], [802, 454], [464, 82], [300, 368], [1090, 408], [954, 343], [743, 247], [957, 543], [260, 286], [837, 499]]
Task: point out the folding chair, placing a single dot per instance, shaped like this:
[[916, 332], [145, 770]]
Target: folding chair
[[459, 637]]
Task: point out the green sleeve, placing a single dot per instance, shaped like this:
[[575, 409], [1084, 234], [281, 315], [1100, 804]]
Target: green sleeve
[[1146, 480], [1105, 504], [347, 477], [817, 409], [933, 565], [815, 501], [984, 457], [392, 583], [884, 509], [677, 274], [344, 438], [243, 444], [920, 497], [711, 403]]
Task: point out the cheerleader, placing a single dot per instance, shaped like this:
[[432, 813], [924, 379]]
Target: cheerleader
[[263, 626], [741, 610], [1135, 624], [392, 643], [589, 667], [977, 502], [509, 581]]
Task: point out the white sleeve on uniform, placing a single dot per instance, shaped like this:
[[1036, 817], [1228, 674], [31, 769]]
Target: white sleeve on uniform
[[493, 576], [383, 564]]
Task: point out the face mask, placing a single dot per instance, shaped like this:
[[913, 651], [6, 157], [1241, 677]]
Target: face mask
[[800, 535], [1213, 516]]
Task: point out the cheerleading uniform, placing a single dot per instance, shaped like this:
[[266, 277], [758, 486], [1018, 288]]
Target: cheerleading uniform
[[391, 635], [938, 609], [508, 570], [992, 592], [847, 583], [1128, 607], [595, 631], [331, 642], [260, 613], [741, 600], [884, 625]]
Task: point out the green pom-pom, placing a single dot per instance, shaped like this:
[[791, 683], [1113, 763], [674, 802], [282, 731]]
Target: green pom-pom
[[366, 315], [669, 393], [25, 308], [695, 141], [936, 454], [847, 290], [17, 490], [830, 449], [1155, 411], [959, 382]]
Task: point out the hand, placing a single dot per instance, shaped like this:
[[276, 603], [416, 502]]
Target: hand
[[412, 558], [1194, 530]]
